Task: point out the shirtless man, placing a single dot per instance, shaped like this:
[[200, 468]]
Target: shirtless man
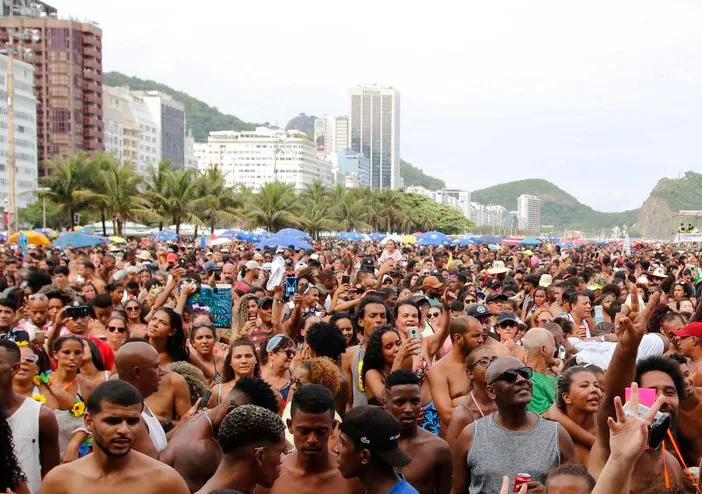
[[478, 403], [136, 362], [688, 340], [311, 469], [370, 314], [482, 314], [113, 418], [689, 427], [193, 450], [448, 379], [430, 469], [252, 442]]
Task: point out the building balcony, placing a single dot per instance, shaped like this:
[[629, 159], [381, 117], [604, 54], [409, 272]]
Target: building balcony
[[92, 98], [91, 121], [91, 133], [90, 51], [91, 63], [89, 39], [92, 75], [91, 86]]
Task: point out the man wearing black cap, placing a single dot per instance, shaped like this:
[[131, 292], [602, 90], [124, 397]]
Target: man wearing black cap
[[499, 444], [369, 448], [496, 302]]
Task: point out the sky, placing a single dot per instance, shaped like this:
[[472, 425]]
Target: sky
[[602, 98]]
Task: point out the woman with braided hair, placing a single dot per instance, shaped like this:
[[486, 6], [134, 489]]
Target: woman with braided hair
[[11, 476]]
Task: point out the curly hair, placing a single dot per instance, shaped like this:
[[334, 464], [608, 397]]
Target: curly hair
[[665, 365], [323, 371], [259, 392], [565, 381], [196, 380], [228, 373], [10, 474], [374, 358], [241, 313], [248, 425], [326, 340]]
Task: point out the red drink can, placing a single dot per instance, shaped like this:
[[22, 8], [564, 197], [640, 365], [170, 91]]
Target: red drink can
[[519, 480]]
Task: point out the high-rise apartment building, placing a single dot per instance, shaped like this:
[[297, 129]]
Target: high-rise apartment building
[[131, 133], [331, 134], [169, 116], [254, 158], [25, 136], [67, 61], [374, 126], [529, 212]]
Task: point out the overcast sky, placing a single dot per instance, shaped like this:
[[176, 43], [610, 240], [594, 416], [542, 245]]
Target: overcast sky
[[603, 98]]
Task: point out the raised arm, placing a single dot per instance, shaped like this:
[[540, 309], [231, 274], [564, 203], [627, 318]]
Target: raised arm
[[433, 343]]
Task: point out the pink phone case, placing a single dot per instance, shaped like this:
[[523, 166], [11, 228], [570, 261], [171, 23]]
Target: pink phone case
[[647, 396]]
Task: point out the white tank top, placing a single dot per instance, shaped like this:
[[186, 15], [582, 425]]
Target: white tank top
[[156, 432], [24, 424]]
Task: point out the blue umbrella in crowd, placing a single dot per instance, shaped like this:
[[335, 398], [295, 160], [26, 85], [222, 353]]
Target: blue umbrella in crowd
[[530, 241], [434, 238], [284, 241], [230, 234], [248, 237], [77, 240], [165, 236], [489, 239], [377, 236], [294, 232], [351, 236], [466, 241]]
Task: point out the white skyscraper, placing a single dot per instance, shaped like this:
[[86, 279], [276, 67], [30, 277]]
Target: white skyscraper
[[254, 158], [529, 213], [331, 134], [374, 125], [25, 124]]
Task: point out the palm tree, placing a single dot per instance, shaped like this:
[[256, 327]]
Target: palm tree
[[156, 188], [67, 179], [181, 189], [216, 203], [351, 211], [389, 207], [274, 207], [119, 194]]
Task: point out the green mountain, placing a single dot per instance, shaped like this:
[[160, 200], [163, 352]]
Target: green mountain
[[558, 208], [411, 175], [658, 216], [201, 117]]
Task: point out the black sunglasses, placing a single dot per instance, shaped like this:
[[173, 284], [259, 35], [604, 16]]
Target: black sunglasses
[[510, 376], [112, 329]]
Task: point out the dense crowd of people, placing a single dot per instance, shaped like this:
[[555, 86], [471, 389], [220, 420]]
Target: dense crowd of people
[[350, 368]]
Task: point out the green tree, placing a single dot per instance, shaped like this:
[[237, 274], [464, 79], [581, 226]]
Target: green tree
[[389, 208], [274, 207], [67, 179], [156, 188], [351, 211], [181, 188], [216, 204]]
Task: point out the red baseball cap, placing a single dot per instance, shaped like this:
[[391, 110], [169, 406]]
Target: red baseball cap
[[172, 257], [692, 329]]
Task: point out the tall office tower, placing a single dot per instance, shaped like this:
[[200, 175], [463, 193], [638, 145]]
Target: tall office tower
[[374, 125], [529, 212], [169, 115], [67, 59], [331, 134]]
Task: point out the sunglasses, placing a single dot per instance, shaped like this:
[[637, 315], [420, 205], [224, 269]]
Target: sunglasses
[[290, 353], [507, 325], [433, 314], [31, 358], [203, 324], [510, 376], [469, 301], [133, 308], [112, 329]]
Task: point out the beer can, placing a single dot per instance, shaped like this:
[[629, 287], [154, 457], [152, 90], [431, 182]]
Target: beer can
[[519, 479]]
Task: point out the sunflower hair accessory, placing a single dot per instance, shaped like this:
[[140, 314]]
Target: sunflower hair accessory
[[22, 343], [39, 397], [78, 409]]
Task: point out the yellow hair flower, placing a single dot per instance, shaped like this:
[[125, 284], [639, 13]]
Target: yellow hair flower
[[36, 380], [22, 343], [39, 397], [78, 409], [360, 377]]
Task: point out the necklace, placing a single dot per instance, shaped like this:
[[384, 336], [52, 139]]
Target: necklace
[[64, 385], [475, 402]]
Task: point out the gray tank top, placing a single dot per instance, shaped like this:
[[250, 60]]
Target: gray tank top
[[359, 397], [496, 451]]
